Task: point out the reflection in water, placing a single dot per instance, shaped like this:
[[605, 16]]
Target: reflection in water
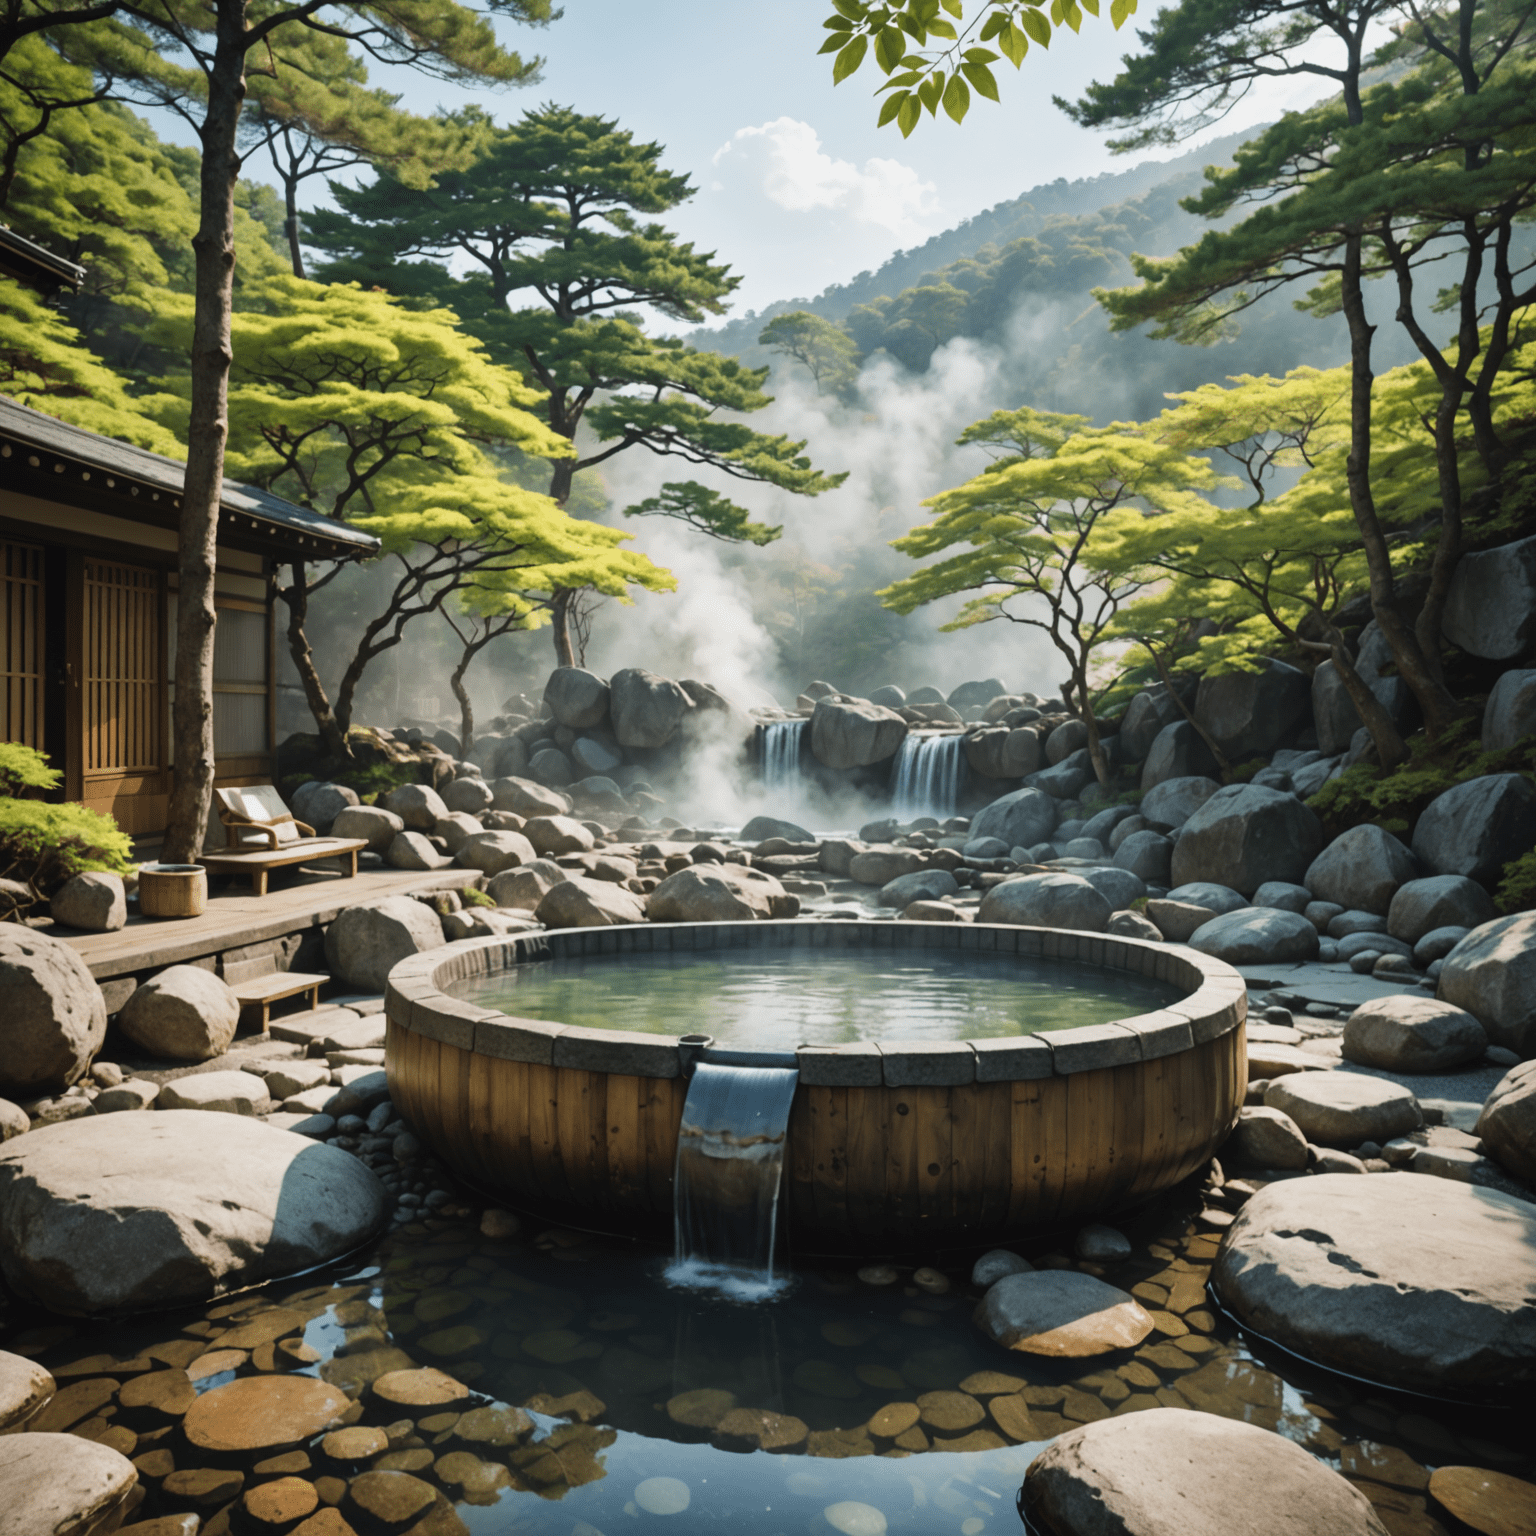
[[778, 999], [632, 1387], [730, 1161]]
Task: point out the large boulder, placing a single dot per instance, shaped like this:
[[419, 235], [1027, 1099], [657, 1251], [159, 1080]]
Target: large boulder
[[1361, 869], [182, 1014], [1119, 887], [371, 822], [1491, 608], [1145, 716], [582, 903], [525, 887], [1415, 1282], [53, 1021], [1476, 828], [1256, 936], [1020, 820], [525, 798], [1171, 803], [852, 733], [414, 850], [1068, 737], [719, 893], [1148, 855], [63, 1485], [999, 753], [920, 885], [1178, 751], [1067, 779], [1209, 893], [1249, 714], [882, 864], [1492, 974], [576, 697], [1046, 901], [1061, 1313], [551, 767], [1507, 1124], [646, 709], [93, 901], [1342, 1109], [468, 796], [594, 756], [1409, 1034], [1334, 712], [492, 852], [1438, 901], [1510, 713], [1167, 1472], [319, 804], [1245, 835], [418, 805], [550, 836], [456, 829], [125, 1213], [364, 943], [978, 691], [1265, 1138]]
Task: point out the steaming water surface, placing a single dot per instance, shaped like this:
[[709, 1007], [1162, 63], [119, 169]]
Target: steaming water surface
[[779, 999]]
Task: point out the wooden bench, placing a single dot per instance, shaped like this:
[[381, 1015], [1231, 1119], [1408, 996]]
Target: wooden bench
[[259, 993], [261, 834]]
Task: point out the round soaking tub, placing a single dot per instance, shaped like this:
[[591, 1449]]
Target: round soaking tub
[[895, 1146]]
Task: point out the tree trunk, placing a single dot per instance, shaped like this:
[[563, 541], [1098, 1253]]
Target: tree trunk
[[466, 709], [1222, 761], [565, 598], [297, 598], [197, 533], [1385, 735], [291, 224]]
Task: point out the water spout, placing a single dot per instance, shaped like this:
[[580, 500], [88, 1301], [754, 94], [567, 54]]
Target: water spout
[[929, 774], [730, 1163]]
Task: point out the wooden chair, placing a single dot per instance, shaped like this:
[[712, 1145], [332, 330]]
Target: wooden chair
[[261, 834]]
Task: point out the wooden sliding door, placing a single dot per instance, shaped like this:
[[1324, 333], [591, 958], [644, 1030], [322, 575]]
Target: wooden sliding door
[[122, 693], [21, 644]]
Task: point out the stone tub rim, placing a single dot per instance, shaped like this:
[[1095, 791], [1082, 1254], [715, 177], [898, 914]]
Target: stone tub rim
[[1215, 1003]]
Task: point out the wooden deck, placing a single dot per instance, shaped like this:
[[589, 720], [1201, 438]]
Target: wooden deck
[[236, 917]]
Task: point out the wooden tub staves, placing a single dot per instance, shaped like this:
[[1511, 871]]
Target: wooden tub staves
[[894, 1147]]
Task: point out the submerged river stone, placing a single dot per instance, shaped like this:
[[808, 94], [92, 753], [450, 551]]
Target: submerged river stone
[[123, 1213], [62, 1485], [263, 1413], [1061, 1312], [1415, 1282], [1165, 1472]]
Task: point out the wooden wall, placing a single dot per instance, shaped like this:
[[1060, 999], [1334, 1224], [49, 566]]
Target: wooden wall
[[869, 1170]]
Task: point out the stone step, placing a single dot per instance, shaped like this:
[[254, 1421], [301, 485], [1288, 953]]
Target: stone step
[[330, 1029]]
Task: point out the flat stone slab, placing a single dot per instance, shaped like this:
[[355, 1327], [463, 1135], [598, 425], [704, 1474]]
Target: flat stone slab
[[1318, 982], [1063, 1313], [1336, 1109], [1414, 1282], [1167, 1472]]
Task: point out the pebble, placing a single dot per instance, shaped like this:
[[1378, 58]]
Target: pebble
[[855, 1519], [1491, 1503], [259, 1413], [931, 1280], [950, 1411], [276, 1505], [879, 1274], [663, 1496]]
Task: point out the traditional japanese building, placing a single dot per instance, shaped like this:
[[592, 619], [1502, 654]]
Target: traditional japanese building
[[88, 610]]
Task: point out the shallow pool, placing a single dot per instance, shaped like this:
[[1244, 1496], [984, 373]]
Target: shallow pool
[[780, 999], [628, 1382]]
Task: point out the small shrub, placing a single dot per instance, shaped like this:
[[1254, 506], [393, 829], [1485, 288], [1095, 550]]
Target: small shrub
[[1517, 890], [377, 779], [44, 845], [23, 768], [473, 896]]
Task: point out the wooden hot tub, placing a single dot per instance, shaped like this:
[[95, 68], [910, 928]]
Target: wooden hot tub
[[896, 1147]]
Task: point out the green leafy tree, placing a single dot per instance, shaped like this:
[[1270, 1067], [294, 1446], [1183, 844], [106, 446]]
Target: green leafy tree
[[826, 351], [1428, 169], [388, 417], [440, 37], [1027, 535], [934, 53], [551, 211]]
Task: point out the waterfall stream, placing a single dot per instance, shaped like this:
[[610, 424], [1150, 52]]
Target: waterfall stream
[[730, 1161], [778, 746], [928, 776]]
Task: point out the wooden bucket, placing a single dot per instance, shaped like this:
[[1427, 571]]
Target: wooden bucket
[[172, 890]]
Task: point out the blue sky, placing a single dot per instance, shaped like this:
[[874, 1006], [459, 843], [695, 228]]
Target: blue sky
[[797, 187]]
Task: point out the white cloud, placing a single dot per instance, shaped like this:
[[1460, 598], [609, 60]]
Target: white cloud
[[784, 161]]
